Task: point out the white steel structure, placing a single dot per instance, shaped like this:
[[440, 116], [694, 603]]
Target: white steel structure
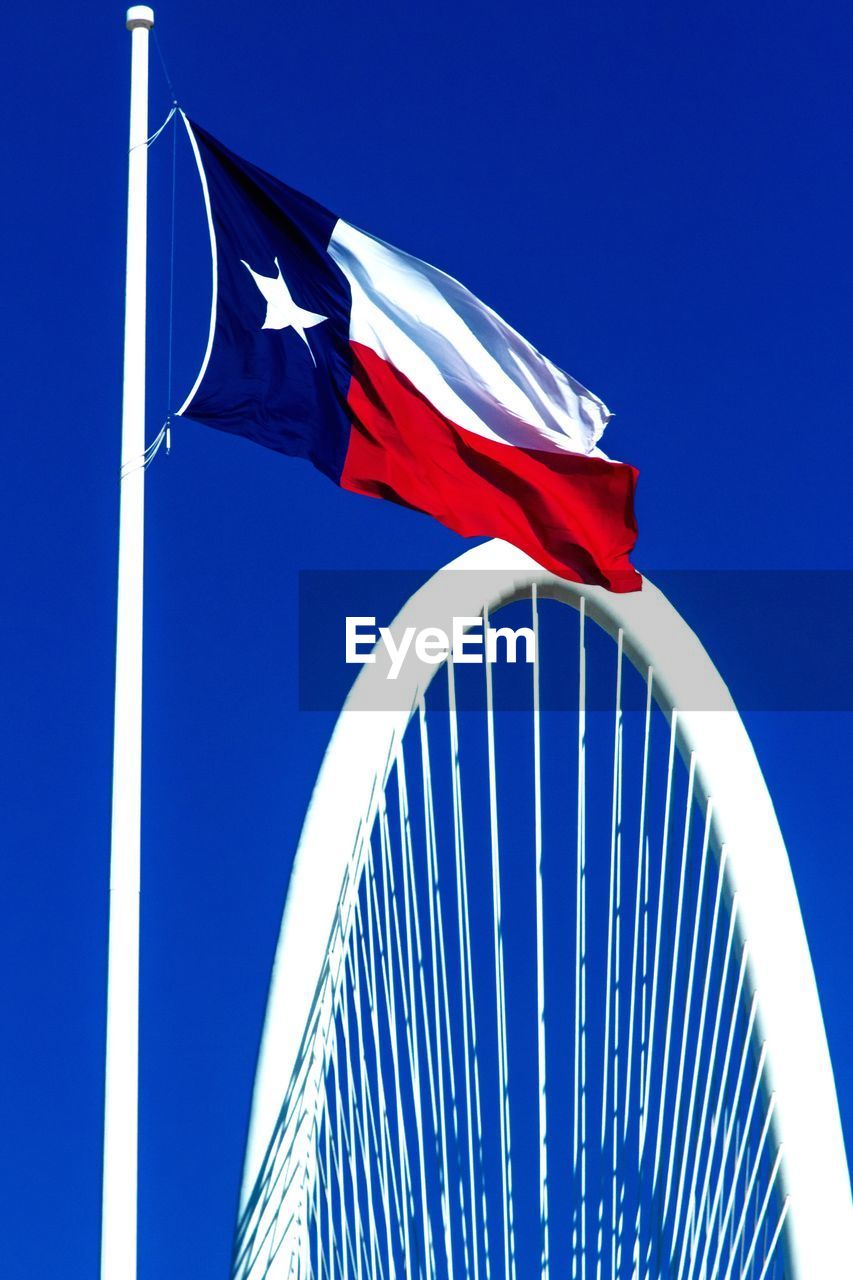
[[507, 1037]]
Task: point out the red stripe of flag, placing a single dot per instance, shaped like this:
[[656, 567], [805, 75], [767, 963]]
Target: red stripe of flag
[[571, 513]]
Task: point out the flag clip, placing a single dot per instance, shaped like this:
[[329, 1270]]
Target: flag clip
[[144, 460]]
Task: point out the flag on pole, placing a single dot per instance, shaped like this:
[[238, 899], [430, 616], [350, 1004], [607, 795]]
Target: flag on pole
[[395, 381]]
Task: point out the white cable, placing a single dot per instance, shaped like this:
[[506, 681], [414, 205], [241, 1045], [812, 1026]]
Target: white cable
[[544, 1261], [503, 1066]]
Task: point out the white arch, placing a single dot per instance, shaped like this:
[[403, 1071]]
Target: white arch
[[814, 1173]]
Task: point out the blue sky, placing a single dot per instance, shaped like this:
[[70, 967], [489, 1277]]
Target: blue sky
[[658, 197]]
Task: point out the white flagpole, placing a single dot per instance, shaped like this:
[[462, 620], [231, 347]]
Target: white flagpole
[[118, 1224]]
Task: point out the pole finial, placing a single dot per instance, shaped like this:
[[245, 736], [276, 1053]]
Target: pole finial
[[140, 15]]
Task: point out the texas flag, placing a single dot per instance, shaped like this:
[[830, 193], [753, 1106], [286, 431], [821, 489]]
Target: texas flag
[[395, 381]]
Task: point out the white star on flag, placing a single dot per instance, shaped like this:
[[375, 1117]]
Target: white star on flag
[[282, 311]]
